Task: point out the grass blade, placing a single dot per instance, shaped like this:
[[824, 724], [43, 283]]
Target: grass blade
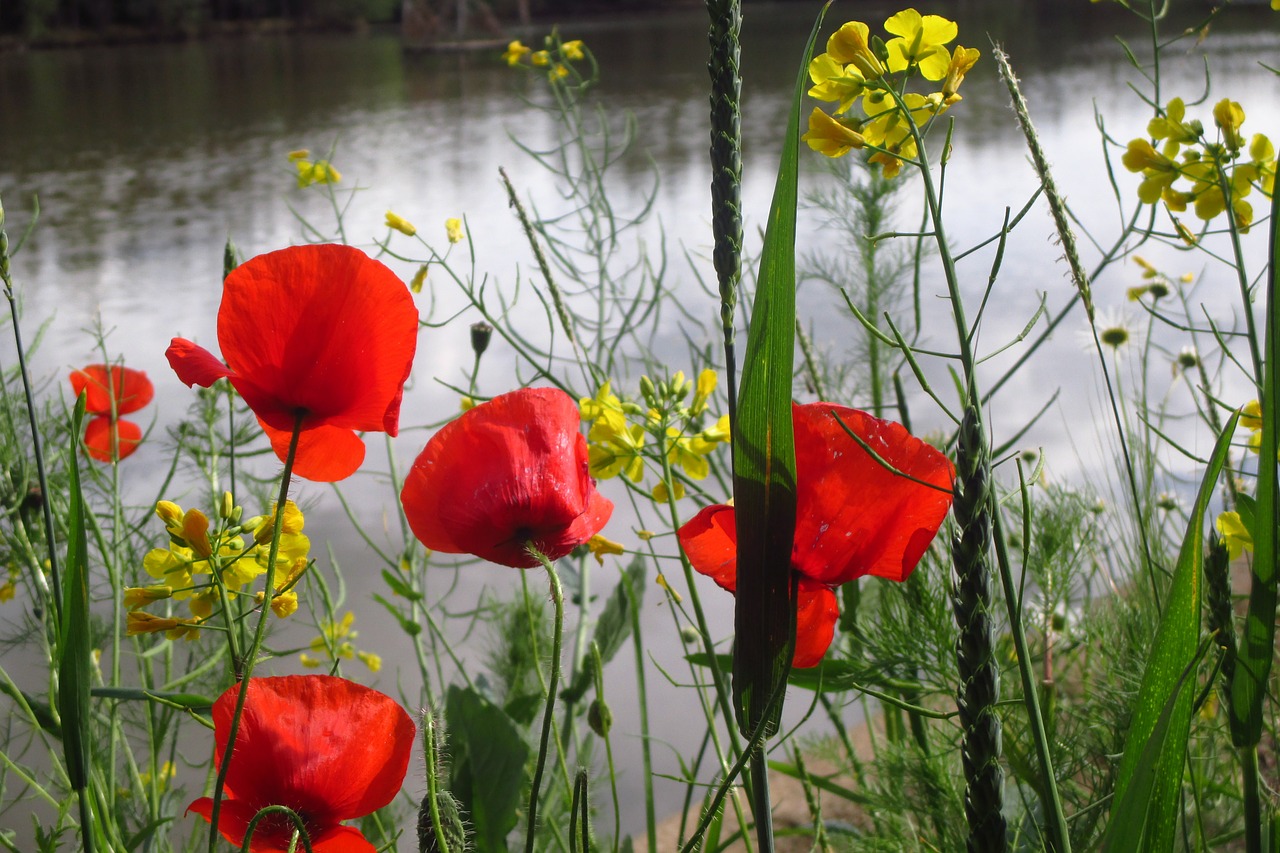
[[764, 460], [1149, 787]]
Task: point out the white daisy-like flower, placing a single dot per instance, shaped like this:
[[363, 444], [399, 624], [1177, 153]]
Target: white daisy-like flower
[[1116, 331]]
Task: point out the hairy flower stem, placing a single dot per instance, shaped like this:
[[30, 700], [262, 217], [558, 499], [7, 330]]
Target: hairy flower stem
[[726, 173], [251, 654], [553, 685]]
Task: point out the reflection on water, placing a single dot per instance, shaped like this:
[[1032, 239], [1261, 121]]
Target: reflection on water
[[147, 158]]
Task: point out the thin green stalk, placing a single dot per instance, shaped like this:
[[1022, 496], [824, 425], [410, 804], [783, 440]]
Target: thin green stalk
[[55, 574], [252, 653], [642, 699], [557, 600]]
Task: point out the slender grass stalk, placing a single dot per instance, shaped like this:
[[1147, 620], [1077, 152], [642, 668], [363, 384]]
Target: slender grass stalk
[[260, 633], [642, 703], [553, 686]]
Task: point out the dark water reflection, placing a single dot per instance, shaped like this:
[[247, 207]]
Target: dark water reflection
[[146, 158]]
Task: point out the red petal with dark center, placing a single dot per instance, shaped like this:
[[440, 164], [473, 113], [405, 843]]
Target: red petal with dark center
[[853, 516], [131, 388], [97, 438], [322, 328], [328, 748], [508, 472]]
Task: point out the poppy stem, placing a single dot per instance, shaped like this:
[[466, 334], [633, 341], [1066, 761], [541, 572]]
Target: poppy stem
[[251, 654], [557, 599]]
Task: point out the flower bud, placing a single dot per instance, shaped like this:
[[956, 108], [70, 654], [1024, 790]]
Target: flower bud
[[647, 391], [481, 334], [228, 507], [451, 827], [599, 717]]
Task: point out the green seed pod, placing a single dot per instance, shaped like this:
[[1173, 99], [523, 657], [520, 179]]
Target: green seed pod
[[599, 717], [451, 826]]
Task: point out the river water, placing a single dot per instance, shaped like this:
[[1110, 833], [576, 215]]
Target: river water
[[147, 158]]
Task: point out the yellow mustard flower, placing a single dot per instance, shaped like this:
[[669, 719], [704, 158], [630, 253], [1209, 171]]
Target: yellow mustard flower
[[849, 46], [559, 71], [1228, 116], [660, 492], [201, 605], [166, 772], [835, 82], [453, 229], [591, 408], [142, 622], [399, 223], [541, 58], [299, 154], [962, 61], [515, 52], [1234, 533], [1251, 415], [419, 278], [173, 565], [615, 447], [371, 660], [1158, 171], [830, 136], [141, 596], [316, 172], [466, 404], [920, 42], [662, 582], [171, 514], [572, 50], [7, 591], [706, 386], [600, 546], [1173, 128], [195, 532], [1262, 156]]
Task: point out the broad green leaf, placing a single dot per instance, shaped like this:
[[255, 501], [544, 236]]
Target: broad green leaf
[[74, 646], [1147, 804], [764, 459], [1253, 666], [487, 768], [613, 627]]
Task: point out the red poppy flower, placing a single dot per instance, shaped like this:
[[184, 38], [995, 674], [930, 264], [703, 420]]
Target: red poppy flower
[[131, 390], [507, 473], [853, 516], [323, 331], [327, 748]]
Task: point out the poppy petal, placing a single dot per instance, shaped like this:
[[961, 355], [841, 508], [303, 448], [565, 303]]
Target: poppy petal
[[710, 541], [325, 454], [328, 748], [132, 388], [507, 472], [816, 614], [97, 438], [194, 364], [853, 516], [323, 328], [273, 833]]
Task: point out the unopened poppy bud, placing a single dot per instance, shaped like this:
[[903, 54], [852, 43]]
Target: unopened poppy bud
[[689, 635], [451, 827], [599, 717], [481, 334]]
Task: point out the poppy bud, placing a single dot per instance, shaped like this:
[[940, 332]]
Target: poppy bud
[[451, 826], [599, 717], [481, 333]]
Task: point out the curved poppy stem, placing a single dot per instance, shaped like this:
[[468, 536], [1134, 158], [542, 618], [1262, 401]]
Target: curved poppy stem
[[260, 633], [299, 832], [557, 599]]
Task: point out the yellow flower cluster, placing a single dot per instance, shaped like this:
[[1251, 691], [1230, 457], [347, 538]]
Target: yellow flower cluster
[[1222, 168], [224, 556], [859, 68], [335, 643], [313, 171], [555, 58], [625, 435], [1155, 284]]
